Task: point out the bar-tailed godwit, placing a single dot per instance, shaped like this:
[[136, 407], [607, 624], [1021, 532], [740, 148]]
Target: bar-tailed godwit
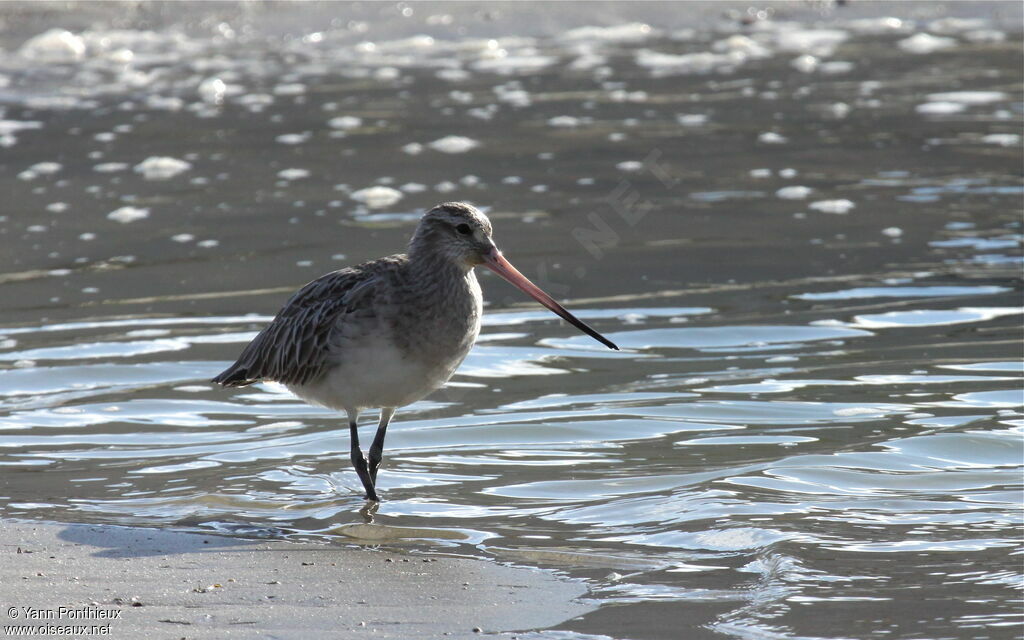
[[386, 333]]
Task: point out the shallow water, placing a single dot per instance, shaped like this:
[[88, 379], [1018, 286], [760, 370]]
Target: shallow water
[[813, 428]]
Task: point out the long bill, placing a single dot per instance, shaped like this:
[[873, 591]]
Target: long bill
[[499, 265]]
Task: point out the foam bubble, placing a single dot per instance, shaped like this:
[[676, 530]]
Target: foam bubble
[[924, 43], [510, 64], [293, 174], [125, 215], [161, 167], [770, 137], [377, 197], [940, 108], [46, 168], [968, 97], [663, 64], [290, 89], [1002, 139], [794, 192], [883, 24], [818, 42], [345, 122], [293, 138], [692, 119], [564, 121], [55, 45], [805, 63], [630, 32], [832, 206], [453, 144]]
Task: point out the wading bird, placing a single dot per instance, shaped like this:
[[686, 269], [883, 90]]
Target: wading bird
[[386, 333]]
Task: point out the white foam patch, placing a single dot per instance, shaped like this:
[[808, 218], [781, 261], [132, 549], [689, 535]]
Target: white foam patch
[[952, 24], [882, 24], [940, 108], [125, 215], [924, 43], [110, 167], [513, 64], [9, 127], [293, 174], [666, 64], [290, 89], [742, 48], [794, 192], [512, 94], [770, 137], [835, 67], [969, 97], [692, 119], [40, 169], [818, 42], [805, 63], [345, 122], [454, 144], [377, 197], [46, 168], [630, 32], [832, 206], [161, 167], [1002, 139], [564, 122], [54, 46], [293, 138]]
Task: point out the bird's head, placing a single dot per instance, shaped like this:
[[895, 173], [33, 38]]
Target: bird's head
[[459, 233], [454, 231]]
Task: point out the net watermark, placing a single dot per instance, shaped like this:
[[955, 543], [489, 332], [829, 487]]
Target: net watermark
[[60, 621]]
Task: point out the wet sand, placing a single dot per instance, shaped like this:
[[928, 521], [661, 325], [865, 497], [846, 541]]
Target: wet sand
[[171, 584]]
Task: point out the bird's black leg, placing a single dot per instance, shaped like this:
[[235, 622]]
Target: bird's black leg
[[359, 462], [377, 448]]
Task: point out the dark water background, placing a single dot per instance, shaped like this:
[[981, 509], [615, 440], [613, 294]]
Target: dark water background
[[803, 226]]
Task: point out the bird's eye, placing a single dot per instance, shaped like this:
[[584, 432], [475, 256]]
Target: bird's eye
[[464, 229]]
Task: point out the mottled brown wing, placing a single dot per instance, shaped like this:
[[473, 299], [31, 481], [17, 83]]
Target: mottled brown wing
[[294, 347]]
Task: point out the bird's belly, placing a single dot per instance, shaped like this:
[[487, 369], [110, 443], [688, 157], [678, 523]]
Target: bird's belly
[[376, 373]]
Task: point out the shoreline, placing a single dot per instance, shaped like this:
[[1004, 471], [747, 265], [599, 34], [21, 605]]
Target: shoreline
[[156, 583]]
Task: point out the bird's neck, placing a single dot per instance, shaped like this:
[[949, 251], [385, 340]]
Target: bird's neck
[[444, 303], [425, 259], [436, 274]]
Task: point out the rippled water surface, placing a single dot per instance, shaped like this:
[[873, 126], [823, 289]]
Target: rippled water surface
[[803, 228]]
